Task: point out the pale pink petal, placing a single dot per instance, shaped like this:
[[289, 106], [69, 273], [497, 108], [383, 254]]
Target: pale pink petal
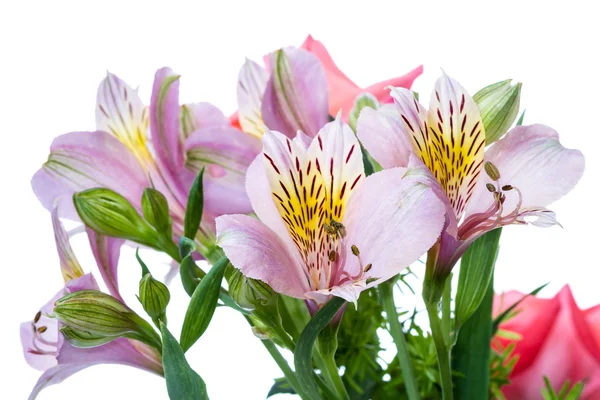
[[84, 160], [252, 82], [54, 376], [226, 153], [260, 254], [296, 94], [382, 134], [121, 112], [86, 282], [69, 266], [164, 119], [393, 219], [106, 251], [196, 116], [531, 159]]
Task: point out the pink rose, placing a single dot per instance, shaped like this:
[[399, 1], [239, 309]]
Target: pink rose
[[559, 340]]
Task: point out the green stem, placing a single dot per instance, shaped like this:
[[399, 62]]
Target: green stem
[[442, 351], [446, 310], [332, 375], [387, 300], [284, 366]]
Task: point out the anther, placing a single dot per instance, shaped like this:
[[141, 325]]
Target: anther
[[42, 329], [368, 267], [355, 250], [491, 170], [490, 187], [332, 255], [507, 187], [37, 317]]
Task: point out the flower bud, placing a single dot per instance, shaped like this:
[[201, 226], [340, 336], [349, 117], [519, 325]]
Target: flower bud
[[110, 214], [249, 293], [499, 105], [84, 339], [91, 316], [154, 296], [156, 211]]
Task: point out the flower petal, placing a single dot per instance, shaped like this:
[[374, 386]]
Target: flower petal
[[252, 82], [405, 81], [69, 266], [195, 116], [84, 160], [531, 159], [260, 254], [120, 112], [382, 133], [226, 153], [164, 119], [393, 219], [106, 251], [54, 376], [296, 94]]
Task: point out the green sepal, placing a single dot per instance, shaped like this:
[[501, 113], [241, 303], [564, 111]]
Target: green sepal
[[194, 207], [155, 209], [498, 105]]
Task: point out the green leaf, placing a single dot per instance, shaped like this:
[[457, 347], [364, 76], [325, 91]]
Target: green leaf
[[500, 318], [183, 383], [520, 121], [304, 347], [471, 353], [476, 271], [186, 247], [281, 386], [193, 209], [190, 274], [202, 305]]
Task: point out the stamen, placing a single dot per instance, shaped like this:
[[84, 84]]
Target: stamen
[[37, 317], [492, 171], [490, 187], [332, 255], [42, 329], [355, 250], [368, 267], [507, 187]]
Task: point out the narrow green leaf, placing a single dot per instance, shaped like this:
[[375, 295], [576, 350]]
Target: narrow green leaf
[[186, 247], [471, 353], [183, 383], [575, 392], [476, 271], [194, 207], [202, 305], [304, 347], [520, 121], [190, 274]]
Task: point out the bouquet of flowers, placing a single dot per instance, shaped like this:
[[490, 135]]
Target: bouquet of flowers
[[308, 212]]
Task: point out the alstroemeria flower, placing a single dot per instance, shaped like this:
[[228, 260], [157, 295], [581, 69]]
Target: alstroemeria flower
[[299, 90], [510, 183], [44, 347], [557, 340], [324, 228], [135, 147]]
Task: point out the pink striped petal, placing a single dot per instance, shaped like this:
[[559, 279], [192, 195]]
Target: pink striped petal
[[296, 96], [252, 82], [84, 160], [106, 251], [196, 116], [531, 159], [260, 254], [226, 153], [69, 266]]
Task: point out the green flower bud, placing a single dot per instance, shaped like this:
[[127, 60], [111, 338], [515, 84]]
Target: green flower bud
[[110, 214], [499, 105], [156, 211], [91, 316], [155, 297], [249, 293]]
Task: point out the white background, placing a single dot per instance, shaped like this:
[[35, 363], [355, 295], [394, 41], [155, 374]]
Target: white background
[[53, 55]]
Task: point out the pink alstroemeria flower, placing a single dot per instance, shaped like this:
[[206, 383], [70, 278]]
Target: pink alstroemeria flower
[[44, 347], [557, 340], [324, 228], [136, 147], [534, 168], [299, 90]]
